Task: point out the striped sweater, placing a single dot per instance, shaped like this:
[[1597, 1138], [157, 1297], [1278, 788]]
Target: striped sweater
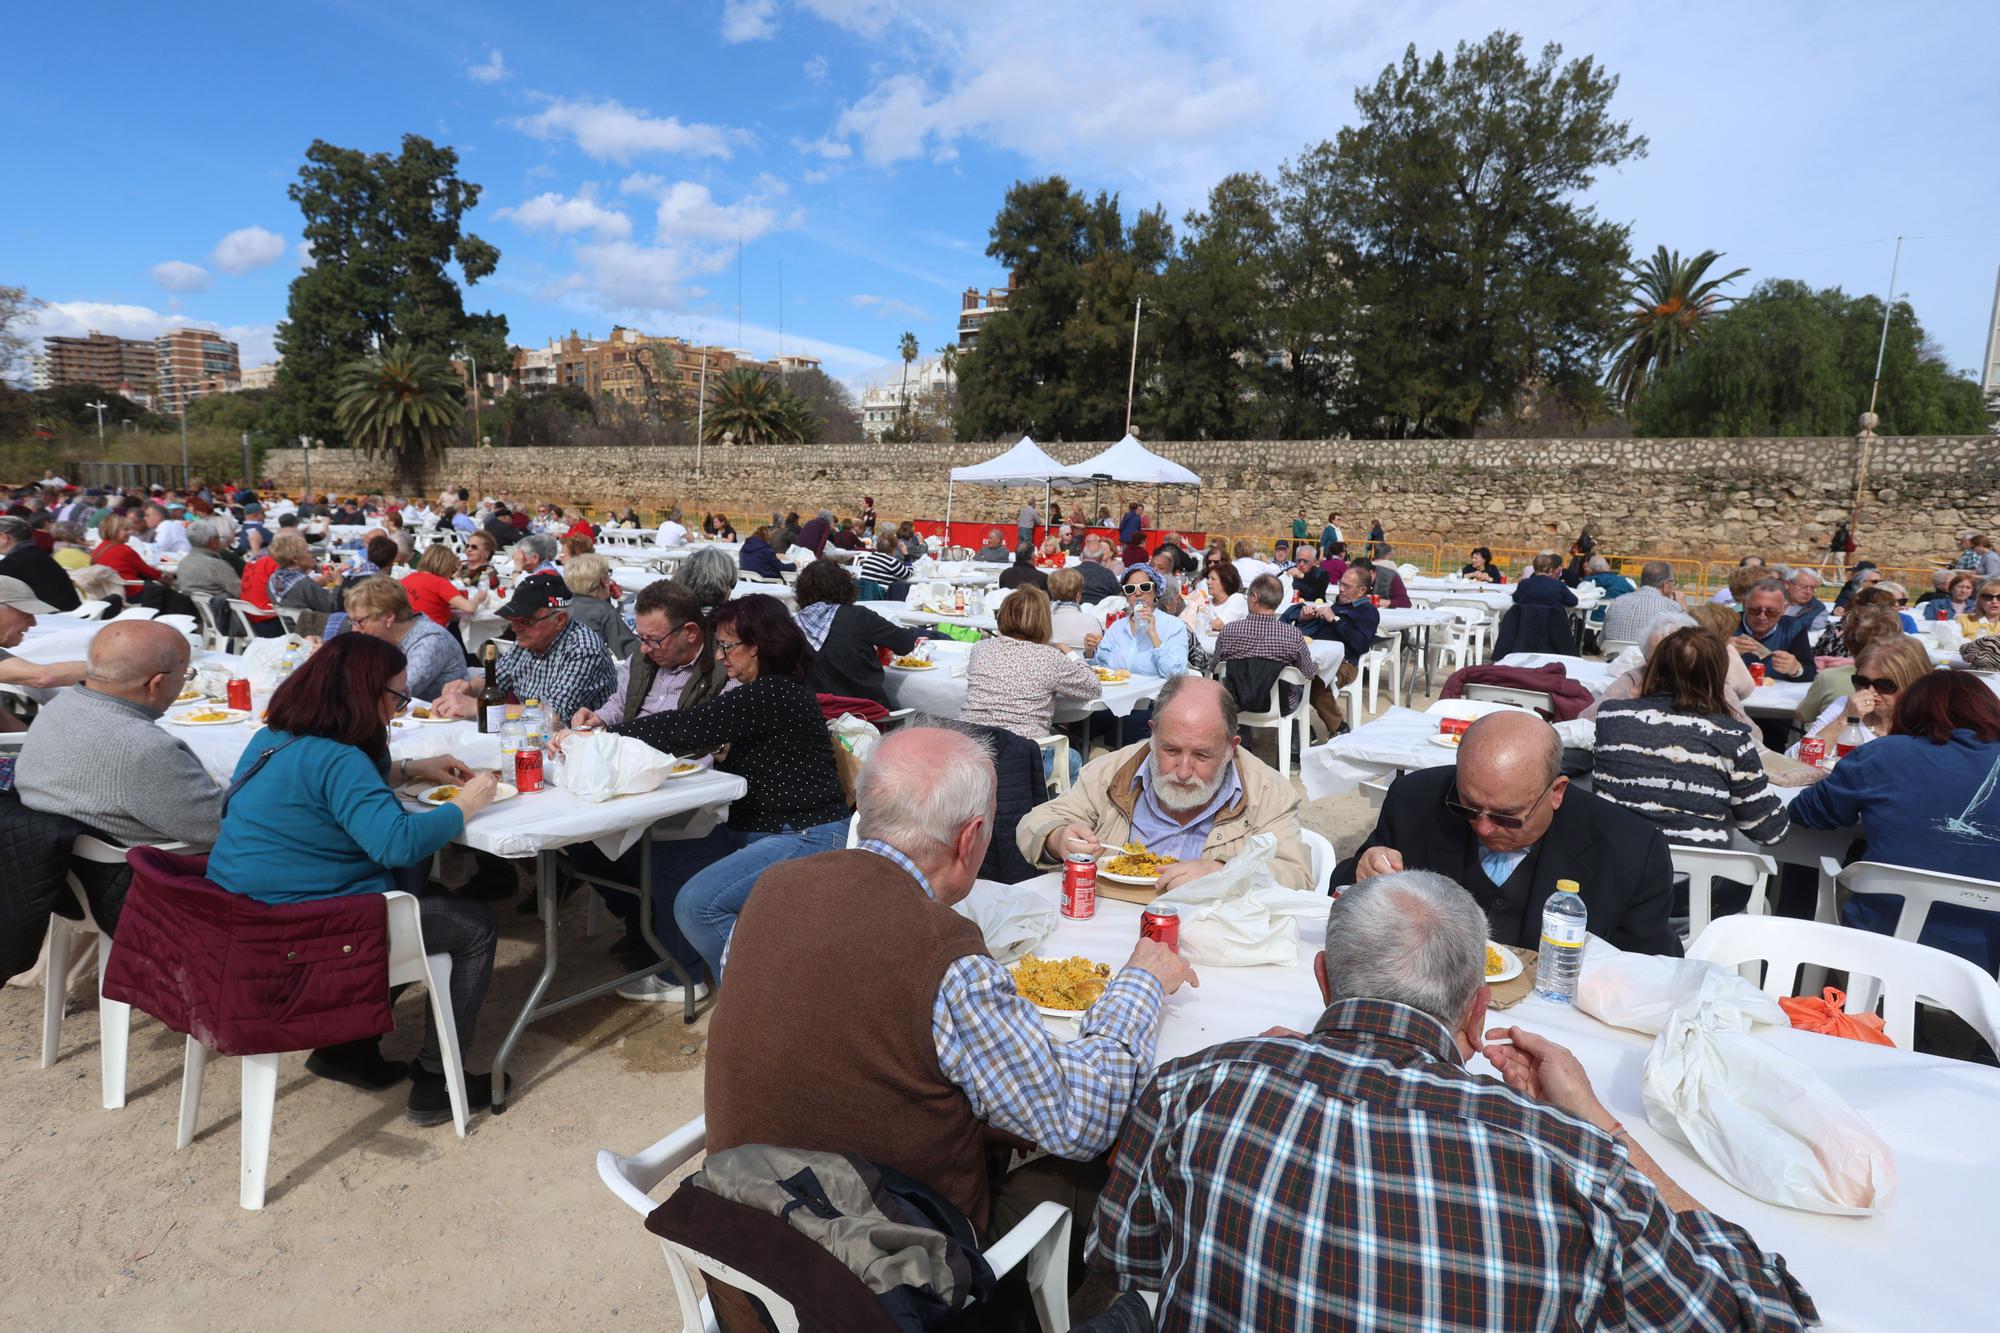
[[1692, 775]]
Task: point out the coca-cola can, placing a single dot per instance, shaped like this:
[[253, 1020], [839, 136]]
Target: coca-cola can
[[1756, 673], [1162, 922], [1812, 750], [528, 769], [239, 694], [1079, 886]]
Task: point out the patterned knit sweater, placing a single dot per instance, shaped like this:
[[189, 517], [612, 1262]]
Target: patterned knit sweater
[[1690, 774]]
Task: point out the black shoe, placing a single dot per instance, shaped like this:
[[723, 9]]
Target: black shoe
[[430, 1096], [359, 1064]]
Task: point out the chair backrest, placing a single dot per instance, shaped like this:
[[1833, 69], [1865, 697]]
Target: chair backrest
[[1704, 865], [1321, 854], [1920, 890], [1537, 700], [1907, 970]]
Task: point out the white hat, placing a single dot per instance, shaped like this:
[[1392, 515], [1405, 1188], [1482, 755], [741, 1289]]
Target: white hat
[[21, 597]]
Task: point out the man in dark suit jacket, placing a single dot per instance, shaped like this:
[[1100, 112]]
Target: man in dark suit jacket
[[1455, 821], [1309, 581], [1544, 587]]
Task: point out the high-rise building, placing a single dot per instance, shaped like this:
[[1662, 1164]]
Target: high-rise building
[[974, 310], [124, 365], [193, 362], [1989, 369]]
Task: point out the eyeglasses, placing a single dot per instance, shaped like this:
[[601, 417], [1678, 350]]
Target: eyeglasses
[[1879, 684], [726, 646], [1473, 816], [402, 699], [657, 640]]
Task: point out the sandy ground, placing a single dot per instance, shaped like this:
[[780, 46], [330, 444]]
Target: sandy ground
[[368, 1220]]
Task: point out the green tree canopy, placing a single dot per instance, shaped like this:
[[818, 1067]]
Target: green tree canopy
[[1053, 362], [386, 234], [1476, 272], [233, 413], [829, 401], [1214, 378], [404, 402], [753, 409], [1669, 305], [1788, 360]]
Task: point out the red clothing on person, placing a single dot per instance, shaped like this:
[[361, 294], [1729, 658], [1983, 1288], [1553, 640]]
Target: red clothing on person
[[125, 561], [430, 595], [257, 583], [1135, 553], [582, 528]]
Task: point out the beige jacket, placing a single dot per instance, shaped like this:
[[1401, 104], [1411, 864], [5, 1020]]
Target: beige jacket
[[1103, 797]]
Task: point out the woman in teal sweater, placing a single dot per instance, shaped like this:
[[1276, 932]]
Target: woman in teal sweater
[[312, 813]]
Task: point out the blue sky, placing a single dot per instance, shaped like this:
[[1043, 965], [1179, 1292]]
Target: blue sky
[[864, 145]]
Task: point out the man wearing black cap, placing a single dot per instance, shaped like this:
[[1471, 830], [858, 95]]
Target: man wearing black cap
[[563, 664], [21, 559]]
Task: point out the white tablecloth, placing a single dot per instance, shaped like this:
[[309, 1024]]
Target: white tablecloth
[[1327, 655], [1396, 741], [1776, 698], [1922, 1263], [940, 691], [1396, 619], [58, 638], [1593, 675]]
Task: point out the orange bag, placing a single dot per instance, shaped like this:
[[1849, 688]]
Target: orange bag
[[1811, 1013]]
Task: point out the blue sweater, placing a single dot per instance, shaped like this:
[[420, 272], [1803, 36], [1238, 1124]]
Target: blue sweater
[[319, 821], [1919, 805]]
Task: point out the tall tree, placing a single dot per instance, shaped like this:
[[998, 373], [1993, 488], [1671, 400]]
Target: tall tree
[[16, 309], [404, 402], [1214, 378], [829, 400], [1477, 273], [1053, 361], [386, 233], [1671, 300], [1788, 360], [750, 407], [907, 346]]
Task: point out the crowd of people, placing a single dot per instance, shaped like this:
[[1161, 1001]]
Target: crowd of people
[[1178, 1181]]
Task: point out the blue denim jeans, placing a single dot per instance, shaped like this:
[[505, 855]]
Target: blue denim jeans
[[625, 870], [1075, 764], [714, 876]]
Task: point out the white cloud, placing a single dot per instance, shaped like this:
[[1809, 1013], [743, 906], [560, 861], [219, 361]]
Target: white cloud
[[885, 306], [177, 275], [621, 273], [247, 248], [256, 343], [643, 182], [688, 212], [492, 70], [303, 251], [609, 130], [817, 69], [552, 212], [749, 20]]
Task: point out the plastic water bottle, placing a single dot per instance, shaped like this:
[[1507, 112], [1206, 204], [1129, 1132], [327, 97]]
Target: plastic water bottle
[[288, 662], [512, 736], [534, 725], [1564, 921]]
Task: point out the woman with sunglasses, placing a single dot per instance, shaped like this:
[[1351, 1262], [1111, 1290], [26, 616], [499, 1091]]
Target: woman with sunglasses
[[1984, 618], [779, 744], [1881, 672], [313, 813]]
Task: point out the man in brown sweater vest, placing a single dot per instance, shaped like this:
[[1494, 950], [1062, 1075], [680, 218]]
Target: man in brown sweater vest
[[863, 1015]]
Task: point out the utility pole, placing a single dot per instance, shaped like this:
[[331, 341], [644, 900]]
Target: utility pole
[[700, 420], [1869, 420], [1888, 304], [1132, 373], [100, 423], [184, 444], [305, 450]]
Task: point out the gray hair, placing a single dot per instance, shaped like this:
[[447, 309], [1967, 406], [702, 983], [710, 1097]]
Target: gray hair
[[1410, 937], [709, 574], [826, 514], [1803, 573], [1765, 585], [1175, 684], [916, 801], [201, 532], [1597, 564], [12, 525], [543, 546], [1655, 574], [1659, 627], [1267, 592]]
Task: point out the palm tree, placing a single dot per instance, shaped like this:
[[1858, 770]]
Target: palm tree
[[907, 345], [401, 402], [947, 356], [1672, 299], [750, 406]]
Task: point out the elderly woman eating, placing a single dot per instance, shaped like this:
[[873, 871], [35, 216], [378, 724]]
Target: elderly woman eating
[[589, 578], [1884, 669], [313, 813], [1016, 680], [378, 607]]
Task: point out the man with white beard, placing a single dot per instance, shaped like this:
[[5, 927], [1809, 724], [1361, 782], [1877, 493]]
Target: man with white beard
[[1191, 792]]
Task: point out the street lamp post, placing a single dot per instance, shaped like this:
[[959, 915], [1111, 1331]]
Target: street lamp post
[[305, 449], [100, 422], [184, 443]]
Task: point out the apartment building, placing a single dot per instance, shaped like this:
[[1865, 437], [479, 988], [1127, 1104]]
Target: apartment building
[[975, 309], [127, 365], [630, 366], [192, 362]]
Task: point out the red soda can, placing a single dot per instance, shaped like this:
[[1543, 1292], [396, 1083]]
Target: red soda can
[[1079, 887], [1756, 673], [239, 694], [528, 769], [1812, 750], [885, 653], [1162, 922]]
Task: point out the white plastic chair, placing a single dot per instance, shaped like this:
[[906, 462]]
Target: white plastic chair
[[1705, 865], [1040, 1240], [1385, 656], [407, 962], [1299, 720], [1902, 969], [854, 830], [1536, 700], [1920, 890], [88, 609], [135, 613], [1610, 648], [1058, 747], [1321, 856], [1461, 646], [240, 613], [213, 636]]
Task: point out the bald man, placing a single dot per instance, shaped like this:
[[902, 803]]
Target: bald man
[[98, 754], [1505, 824], [1189, 791]]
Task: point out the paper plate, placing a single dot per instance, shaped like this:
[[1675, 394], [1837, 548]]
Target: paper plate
[[205, 717], [504, 791], [1510, 959], [695, 766], [1448, 742], [911, 666]]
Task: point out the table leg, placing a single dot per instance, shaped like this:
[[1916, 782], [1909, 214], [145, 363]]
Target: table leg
[[545, 901]]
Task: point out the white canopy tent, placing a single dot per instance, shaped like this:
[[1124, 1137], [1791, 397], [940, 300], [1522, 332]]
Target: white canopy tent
[[1130, 461], [1023, 465]]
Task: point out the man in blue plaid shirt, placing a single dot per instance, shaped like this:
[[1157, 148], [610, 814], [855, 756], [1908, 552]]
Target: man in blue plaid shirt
[[1359, 1177]]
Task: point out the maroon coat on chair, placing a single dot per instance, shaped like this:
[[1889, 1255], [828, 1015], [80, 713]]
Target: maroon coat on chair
[[1569, 697], [245, 977]]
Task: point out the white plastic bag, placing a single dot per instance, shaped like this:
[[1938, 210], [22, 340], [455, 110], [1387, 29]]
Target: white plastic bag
[[260, 659], [1757, 1117], [1014, 920], [1240, 916], [859, 735], [598, 765]]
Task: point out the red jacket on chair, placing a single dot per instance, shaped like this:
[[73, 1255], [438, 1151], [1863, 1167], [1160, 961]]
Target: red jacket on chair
[[245, 977]]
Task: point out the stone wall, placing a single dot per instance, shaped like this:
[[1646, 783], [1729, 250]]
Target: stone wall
[[1698, 498]]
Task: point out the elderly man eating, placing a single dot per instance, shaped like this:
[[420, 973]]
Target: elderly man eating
[[930, 1045], [1190, 792], [993, 550], [1360, 1176], [1769, 636], [1504, 823], [1803, 603], [555, 660]]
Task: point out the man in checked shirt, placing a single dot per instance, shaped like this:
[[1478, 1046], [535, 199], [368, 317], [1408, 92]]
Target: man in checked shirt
[[1359, 1177]]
